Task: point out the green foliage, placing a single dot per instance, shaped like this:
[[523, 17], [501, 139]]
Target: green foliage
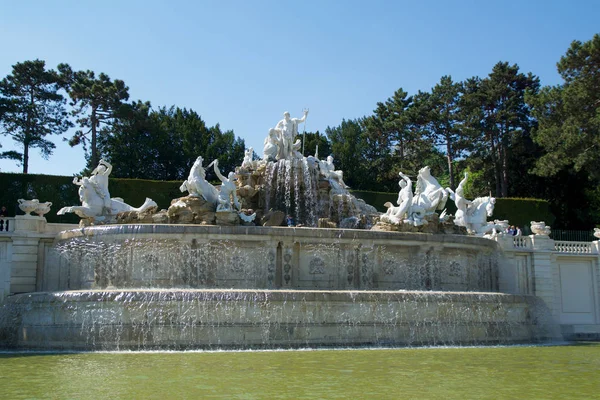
[[569, 114], [312, 141], [95, 101], [438, 114], [347, 144], [520, 212], [163, 144], [31, 109], [495, 111]]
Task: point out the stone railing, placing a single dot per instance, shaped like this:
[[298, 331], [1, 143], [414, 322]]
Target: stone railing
[[574, 247], [7, 224], [522, 242]]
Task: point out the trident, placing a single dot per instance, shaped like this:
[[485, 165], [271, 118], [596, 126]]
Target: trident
[[304, 131]]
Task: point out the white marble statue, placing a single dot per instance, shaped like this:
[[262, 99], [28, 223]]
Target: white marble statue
[[273, 146], [247, 162], [197, 185], [596, 233], [99, 181], [335, 177], [93, 192], [429, 194], [397, 215], [460, 218], [476, 216], [227, 194], [281, 142]]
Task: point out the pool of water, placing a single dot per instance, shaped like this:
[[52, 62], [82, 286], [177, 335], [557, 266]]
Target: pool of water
[[536, 372]]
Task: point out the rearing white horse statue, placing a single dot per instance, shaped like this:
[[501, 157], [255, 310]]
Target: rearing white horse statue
[[429, 194], [197, 185], [477, 213]]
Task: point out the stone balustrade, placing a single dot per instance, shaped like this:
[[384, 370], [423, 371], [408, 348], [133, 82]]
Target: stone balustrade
[[562, 246], [7, 224], [522, 242]]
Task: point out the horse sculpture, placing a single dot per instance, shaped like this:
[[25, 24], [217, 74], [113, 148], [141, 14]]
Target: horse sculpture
[[197, 185], [429, 194], [94, 207], [476, 216]]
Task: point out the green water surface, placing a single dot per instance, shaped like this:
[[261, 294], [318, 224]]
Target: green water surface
[[546, 372]]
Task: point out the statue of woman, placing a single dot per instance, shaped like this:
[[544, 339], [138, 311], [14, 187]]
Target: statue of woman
[[335, 178], [405, 198], [227, 194], [460, 218], [247, 162], [98, 181], [273, 146]]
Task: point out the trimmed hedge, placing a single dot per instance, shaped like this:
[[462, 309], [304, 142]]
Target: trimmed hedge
[[520, 212], [376, 199]]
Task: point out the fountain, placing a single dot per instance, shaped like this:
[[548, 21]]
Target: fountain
[[218, 269]]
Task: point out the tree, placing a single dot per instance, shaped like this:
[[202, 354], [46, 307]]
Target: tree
[[95, 102], [314, 139], [568, 115], [495, 110], [439, 115], [32, 108], [347, 145], [131, 148], [162, 144]]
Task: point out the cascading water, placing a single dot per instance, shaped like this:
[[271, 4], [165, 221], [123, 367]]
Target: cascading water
[[187, 287], [291, 186], [211, 319]]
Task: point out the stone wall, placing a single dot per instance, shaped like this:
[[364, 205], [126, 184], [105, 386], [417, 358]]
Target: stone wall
[[23, 252], [564, 275]]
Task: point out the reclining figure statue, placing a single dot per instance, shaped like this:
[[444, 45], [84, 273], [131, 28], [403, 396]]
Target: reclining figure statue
[[96, 203]]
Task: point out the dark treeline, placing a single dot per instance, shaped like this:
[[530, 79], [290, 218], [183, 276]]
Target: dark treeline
[[514, 137]]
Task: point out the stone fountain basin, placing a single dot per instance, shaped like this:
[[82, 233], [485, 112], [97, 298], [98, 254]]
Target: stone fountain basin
[[204, 257], [224, 319]]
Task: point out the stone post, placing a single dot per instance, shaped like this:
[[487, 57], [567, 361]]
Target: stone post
[[24, 260], [546, 279]]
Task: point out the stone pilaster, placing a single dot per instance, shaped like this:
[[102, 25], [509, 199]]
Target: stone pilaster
[[545, 276]]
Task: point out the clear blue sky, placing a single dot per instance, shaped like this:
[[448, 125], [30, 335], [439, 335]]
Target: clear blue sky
[[243, 63]]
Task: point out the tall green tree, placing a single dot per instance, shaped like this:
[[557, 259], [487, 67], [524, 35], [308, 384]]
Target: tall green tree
[[438, 114], [162, 144], [496, 111], [568, 115], [131, 148], [32, 108], [347, 147], [95, 102], [314, 139]]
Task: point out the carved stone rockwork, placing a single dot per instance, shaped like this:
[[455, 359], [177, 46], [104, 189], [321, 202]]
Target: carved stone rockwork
[[191, 210]]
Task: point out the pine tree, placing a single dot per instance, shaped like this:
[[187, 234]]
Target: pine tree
[[32, 108]]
